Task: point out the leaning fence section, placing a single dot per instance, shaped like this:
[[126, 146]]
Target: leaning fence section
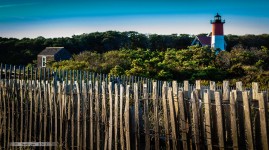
[[96, 114]]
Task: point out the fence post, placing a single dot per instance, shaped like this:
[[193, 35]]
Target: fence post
[[156, 116], [59, 109], [226, 91], [194, 100], [84, 110], [41, 99], [72, 113], [136, 115], [50, 109], [255, 90], [8, 86], [116, 110], [91, 131], [127, 118], [226, 108], [233, 120], [198, 87], [4, 92], [165, 115], [187, 94], [263, 119], [97, 117], [220, 118], [212, 88], [121, 118], [1, 110], [239, 86], [146, 116], [66, 105], [207, 100], [45, 86], [110, 115], [12, 108], [35, 85], [175, 99], [21, 107], [248, 126], [186, 89], [104, 115], [172, 117], [78, 112], [183, 120]]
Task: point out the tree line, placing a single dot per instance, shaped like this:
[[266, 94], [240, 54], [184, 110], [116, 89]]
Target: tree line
[[25, 50]]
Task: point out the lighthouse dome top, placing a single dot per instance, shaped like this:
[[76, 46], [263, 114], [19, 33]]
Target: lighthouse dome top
[[217, 19]]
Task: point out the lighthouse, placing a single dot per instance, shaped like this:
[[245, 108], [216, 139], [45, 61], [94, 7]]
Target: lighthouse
[[217, 37]]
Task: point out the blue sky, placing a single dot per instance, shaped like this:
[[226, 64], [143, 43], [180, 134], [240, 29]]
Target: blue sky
[[61, 18]]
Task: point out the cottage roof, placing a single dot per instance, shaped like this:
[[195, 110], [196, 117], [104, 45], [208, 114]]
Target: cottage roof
[[50, 50], [205, 40]]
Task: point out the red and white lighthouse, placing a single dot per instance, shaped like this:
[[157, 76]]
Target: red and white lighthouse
[[217, 38]]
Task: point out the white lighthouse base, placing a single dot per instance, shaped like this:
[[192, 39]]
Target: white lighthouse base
[[217, 41]]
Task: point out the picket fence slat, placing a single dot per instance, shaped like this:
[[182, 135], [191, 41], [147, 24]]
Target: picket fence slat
[[84, 111], [207, 100], [127, 118], [146, 116], [156, 115], [1, 110], [97, 117], [122, 141], [233, 121], [45, 86], [172, 117], [175, 97], [5, 115], [195, 114], [182, 120], [116, 117], [263, 119], [91, 131], [220, 118], [110, 117], [21, 108], [12, 112], [249, 134], [104, 115], [165, 116]]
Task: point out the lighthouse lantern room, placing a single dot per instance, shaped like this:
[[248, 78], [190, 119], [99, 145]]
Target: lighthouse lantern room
[[217, 38]]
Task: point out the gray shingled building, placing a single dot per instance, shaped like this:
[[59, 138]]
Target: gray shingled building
[[52, 54]]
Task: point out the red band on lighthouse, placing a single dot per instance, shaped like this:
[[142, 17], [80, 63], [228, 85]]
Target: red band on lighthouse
[[217, 28]]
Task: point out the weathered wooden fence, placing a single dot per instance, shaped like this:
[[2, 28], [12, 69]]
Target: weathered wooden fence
[[96, 115], [84, 110]]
